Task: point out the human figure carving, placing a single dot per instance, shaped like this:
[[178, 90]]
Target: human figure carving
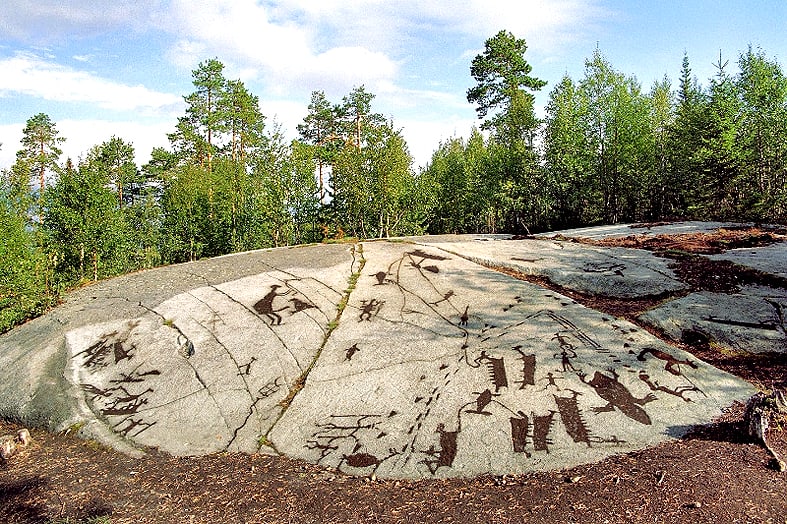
[[265, 305]]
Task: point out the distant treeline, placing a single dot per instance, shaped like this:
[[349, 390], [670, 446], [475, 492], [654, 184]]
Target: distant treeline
[[605, 152]]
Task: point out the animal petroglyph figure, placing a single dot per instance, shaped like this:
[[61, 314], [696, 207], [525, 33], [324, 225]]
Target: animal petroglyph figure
[[618, 396], [672, 364], [133, 427], [443, 457], [300, 305], [359, 459], [350, 351], [265, 305], [678, 391], [482, 401], [369, 309], [465, 317]]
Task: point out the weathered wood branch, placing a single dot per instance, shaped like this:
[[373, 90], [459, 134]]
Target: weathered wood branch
[[761, 411]]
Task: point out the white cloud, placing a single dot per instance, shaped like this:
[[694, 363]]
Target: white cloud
[[10, 134], [49, 20], [287, 52], [81, 135], [543, 24], [424, 136], [294, 45], [31, 75]]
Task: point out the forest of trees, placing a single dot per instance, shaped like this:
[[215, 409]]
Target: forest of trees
[[605, 152]]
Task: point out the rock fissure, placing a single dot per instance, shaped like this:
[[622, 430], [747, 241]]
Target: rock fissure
[[356, 249]]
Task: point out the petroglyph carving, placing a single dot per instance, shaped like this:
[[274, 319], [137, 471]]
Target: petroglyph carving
[[134, 377], [572, 418], [245, 369], [482, 401], [609, 388], [127, 405], [265, 305], [446, 296], [551, 381], [299, 305], [271, 388], [341, 429], [678, 391], [672, 364], [567, 352], [445, 455], [519, 430], [424, 256], [528, 368], [370, 309], [381, 277], [517, 300], [465, 317], [496, 368], [131, 427], [542, 424], [597, 267], [109, 350], [350, 351]]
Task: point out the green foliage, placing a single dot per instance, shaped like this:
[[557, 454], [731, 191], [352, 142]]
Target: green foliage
[[606, 151], [84, 227], [24, 290], [502, 77], [516, 198], [40, 149]]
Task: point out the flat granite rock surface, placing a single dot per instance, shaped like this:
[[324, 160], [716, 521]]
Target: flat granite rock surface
[[607, 271], [412, 358]]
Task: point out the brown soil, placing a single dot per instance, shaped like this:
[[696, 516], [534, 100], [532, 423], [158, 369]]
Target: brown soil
[[705, 243], [713, 475]]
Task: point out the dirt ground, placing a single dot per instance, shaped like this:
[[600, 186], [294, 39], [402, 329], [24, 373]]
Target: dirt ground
[[715, 474]]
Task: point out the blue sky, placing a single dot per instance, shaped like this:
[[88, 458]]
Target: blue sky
[[100, 68]]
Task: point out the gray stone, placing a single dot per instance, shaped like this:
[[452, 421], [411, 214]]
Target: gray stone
[[392, 359], [611, 272], [440, 368], [624, 230], [750, 321], [769, 259]]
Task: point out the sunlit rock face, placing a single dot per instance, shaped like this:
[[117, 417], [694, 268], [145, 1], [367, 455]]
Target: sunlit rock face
[[400, 359]]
